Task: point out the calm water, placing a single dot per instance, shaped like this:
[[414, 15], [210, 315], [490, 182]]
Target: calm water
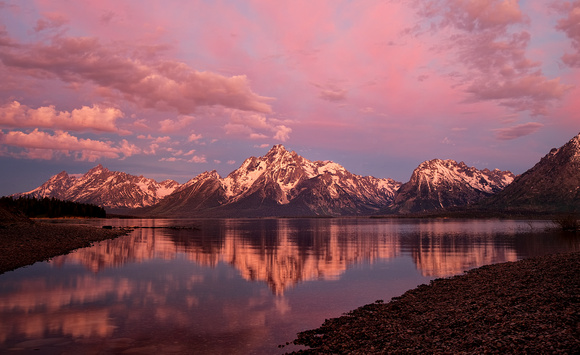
[[240, 286]]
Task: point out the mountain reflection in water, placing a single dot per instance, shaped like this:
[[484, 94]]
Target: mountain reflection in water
[[241, 286]]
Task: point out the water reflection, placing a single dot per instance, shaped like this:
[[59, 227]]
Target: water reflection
[[284, 252], [242, 286]]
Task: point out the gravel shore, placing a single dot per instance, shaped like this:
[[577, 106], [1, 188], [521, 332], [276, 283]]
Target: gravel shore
[[24, 242], [529, 306]]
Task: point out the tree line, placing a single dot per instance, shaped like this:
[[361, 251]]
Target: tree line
[[52, 208]]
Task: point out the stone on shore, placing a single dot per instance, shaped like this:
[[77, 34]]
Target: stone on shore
[[529, 306]]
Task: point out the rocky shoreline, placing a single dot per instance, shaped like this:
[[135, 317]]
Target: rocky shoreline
[[529, 306], [24, 242]]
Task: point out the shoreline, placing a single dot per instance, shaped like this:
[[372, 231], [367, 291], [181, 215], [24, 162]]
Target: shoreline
[[531, 305], [23, 243]]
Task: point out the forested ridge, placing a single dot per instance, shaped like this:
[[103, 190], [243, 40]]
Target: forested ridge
[[52, 207]]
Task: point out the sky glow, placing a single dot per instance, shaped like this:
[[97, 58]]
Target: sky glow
[[170, 89]]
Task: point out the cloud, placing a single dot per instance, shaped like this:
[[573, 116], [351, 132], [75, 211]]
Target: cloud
[[51, 21], [486, 39], [255, 126], [169, 125], [194, 137], [197, 159], [570, 25], [518, 131], [528, 92], [95, 118], [282, 133], [42, 145], [150, 83], [158, 140], [367, 110], [330, 92], [478, 15]]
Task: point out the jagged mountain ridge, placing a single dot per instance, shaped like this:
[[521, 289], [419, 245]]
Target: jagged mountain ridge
[[442, 184], [105, 188], [281, 183], [552, 185]]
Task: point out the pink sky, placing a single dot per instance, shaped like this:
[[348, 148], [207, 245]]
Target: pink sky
[[172, 89]]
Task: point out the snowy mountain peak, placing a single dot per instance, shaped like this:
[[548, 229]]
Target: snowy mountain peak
[[280, 183], [109, 189], [99, 169], [439, 184], [277, 149]]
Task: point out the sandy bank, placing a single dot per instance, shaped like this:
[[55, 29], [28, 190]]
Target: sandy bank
[[529, 306]]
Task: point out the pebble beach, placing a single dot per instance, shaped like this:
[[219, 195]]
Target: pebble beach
[[529, 306]]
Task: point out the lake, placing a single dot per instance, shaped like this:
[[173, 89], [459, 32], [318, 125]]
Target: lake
[[241, 286]]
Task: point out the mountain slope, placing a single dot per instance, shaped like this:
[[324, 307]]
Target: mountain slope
[[440, 184], [552, 185], [281, 183], [109, 189]]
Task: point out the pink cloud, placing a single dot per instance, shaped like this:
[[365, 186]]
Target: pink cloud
[[476, 15], [194, 137], [198, 159], [160, 84], [95, 118], [169, 125], [62, 143], [50, 21], [517, 131], [256, 126], [485, 38], [331, 92], [570, 25]]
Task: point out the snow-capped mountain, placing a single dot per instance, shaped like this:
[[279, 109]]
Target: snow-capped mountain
[[109, 189], [552, 185], [441, 184], [281, 183]]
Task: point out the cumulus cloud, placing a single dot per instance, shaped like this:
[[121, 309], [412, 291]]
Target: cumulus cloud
[[198, 159], [518, 131], [282, 133], [95, 118], [487, 39], [160, 84], [194, 137], [42, 145]]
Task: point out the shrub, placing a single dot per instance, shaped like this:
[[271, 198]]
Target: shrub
[[568, 222]]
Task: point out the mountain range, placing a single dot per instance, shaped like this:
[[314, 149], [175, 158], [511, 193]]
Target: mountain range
[[283, 183], [109, 189]]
